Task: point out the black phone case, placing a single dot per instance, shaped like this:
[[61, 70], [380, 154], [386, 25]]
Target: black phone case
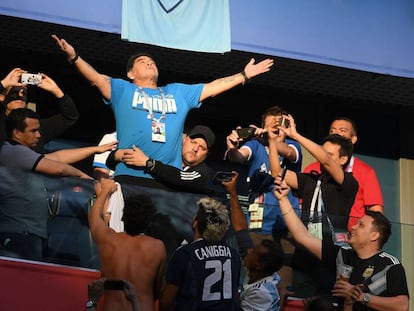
[[246, 133], [221, 176]]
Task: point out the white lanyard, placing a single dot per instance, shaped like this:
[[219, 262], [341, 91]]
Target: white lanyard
[[317, 194], [149, 105]]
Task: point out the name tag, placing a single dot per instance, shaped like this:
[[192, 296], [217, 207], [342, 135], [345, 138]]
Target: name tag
[[158, 131], [315, 228]]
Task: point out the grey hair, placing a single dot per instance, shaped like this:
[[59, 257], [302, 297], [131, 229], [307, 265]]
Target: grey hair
[[213, 219]]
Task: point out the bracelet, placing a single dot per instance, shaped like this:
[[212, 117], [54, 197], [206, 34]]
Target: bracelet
[[285, 213], [74, 59], [246, 79]]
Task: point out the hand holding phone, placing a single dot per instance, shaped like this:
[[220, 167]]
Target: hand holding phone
[[246, 133], [283, 122], [221, 176], [31, 78]]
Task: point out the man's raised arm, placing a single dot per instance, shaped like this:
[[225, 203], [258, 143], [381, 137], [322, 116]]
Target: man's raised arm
[[97, 79], [294, 224], [97, 225], [223, 84]]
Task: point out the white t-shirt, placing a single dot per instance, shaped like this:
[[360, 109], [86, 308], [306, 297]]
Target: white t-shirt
[[99, 160]]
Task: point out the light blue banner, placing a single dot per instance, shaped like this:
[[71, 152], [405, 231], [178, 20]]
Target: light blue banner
[[201, 25]]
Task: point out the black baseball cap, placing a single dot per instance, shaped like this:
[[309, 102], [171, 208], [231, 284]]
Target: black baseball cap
[[201, 131]]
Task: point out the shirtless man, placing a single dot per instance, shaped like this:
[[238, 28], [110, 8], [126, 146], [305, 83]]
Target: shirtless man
[[128, 255]]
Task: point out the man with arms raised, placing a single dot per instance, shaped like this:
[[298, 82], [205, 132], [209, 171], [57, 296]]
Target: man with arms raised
[[327, 199], [140, 105], [369, 194]]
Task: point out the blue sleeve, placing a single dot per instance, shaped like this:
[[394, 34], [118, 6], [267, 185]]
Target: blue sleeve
[[295, 166]]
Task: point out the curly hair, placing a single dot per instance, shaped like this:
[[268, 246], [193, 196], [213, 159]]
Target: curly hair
[[138, 211], [212, 219]]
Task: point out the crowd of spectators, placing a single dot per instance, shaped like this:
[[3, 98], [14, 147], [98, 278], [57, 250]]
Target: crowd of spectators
[[297, 228]]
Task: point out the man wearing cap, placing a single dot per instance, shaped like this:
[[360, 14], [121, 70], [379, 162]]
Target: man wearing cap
[[16, 97], [195, 175]]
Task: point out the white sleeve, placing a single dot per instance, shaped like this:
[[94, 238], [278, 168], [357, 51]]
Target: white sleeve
[[99, 160]]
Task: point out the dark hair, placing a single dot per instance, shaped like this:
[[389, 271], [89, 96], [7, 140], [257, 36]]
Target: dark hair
[[319, 303], [273, 111], [353, 124], [212, 219], [382, 225], [16, 120], [272, 260], [345, 144], [138, 211], [132, 59]]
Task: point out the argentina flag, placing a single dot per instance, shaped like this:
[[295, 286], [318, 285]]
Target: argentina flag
[[195, 25]]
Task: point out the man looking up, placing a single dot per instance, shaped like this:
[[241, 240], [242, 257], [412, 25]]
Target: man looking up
[[377, 280], [369, 196], [327, 199], [140, 106]]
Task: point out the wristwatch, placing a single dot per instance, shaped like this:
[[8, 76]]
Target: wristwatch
[[90, 304], [149, 165], [366, 298]]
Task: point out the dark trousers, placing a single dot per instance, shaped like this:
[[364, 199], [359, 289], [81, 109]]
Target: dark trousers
[[21, 245]]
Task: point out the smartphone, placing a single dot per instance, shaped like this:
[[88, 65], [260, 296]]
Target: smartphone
[[221, 176], [246, 133], [31, 78], [284, 170], [283, 122], [114, 285]]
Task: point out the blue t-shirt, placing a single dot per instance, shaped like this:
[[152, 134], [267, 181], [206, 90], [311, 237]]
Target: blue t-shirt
[[259, 160], [130, 107]]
